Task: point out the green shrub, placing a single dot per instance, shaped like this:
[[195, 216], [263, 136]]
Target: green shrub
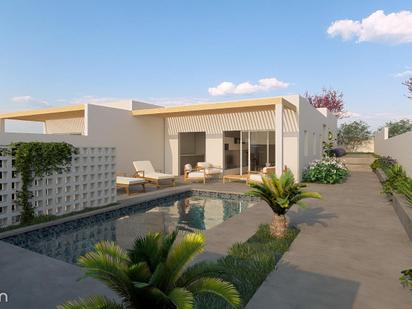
[[249, 264], [36, 159], [406, 278], [405, 187], [327, 170], [398, 181], [383, 163], [156, 272]]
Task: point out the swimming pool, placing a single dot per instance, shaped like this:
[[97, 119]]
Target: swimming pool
[[187, 211]]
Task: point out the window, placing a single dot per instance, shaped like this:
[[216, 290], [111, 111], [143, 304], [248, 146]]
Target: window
[[315, 147], [320, 143], [305, 143], [3, 221], [15, 219]]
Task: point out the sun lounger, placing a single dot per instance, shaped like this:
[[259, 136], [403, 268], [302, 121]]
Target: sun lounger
[[128, 182], [145, 169]]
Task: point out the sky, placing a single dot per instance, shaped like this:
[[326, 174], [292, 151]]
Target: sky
[[54, 53]]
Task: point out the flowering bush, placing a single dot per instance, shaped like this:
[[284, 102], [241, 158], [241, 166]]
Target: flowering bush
[[383, 163], [328, 170]]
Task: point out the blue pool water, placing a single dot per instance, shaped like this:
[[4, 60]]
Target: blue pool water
[[189, 211]]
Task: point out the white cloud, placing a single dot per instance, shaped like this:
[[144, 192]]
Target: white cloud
[[22, 99], [175, 101], [351, 115], [30, 100], [264, 84], [407, 72], [90, 99], [395, 28]]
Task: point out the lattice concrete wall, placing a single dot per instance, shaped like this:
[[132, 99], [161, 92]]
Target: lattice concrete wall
[[90, 183]]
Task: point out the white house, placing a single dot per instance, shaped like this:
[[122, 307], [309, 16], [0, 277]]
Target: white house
[[240, 136]]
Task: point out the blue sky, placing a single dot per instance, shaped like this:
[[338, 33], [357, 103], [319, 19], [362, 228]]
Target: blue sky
[[64, 52]]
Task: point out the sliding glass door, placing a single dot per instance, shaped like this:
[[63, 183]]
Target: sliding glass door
[[245, 153], [258, 150], [249, 151]]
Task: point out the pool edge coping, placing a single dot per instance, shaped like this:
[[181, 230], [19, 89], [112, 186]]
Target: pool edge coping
[[97, 211], [150, 196]]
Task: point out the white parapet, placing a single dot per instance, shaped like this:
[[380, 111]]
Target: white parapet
[[90, 183]]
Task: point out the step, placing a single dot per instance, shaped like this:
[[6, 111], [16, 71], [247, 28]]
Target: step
[[358, 160]]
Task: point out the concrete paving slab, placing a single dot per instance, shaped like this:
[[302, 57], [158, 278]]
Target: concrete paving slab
[[36, 281], [349, 253]]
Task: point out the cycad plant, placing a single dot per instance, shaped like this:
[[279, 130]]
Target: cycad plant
[[280, 193], [154, 273]]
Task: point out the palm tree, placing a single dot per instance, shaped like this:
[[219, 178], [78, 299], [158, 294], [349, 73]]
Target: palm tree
[[280, 194], [154, 273]]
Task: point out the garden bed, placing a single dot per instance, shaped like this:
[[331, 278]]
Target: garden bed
[[400, 205], [250, 263], [404, 212]]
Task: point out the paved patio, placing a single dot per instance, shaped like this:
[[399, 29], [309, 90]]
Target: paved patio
[[348, 255]]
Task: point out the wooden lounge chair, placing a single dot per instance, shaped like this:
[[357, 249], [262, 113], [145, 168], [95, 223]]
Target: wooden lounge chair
[[145, 169], [128, 182], [266, 171], [202, 172]]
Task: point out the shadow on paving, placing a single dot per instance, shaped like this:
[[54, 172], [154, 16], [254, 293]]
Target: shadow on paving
[[310, 215], [35, 281], [315, 290]]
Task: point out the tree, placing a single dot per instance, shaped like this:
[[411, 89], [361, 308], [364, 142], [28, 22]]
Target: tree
[[155, 273], [399, 127], [329, 98], [408, 84], [280, 194], [352, 135]]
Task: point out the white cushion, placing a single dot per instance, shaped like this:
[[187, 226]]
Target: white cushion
[[213, 171], [156, 175], [128, 180], [145, 166], [255, 177], [195, 175], [203, 165], [269, 170], [188, 167]]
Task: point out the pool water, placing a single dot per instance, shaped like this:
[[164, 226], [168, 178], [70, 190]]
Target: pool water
[[69, 241]]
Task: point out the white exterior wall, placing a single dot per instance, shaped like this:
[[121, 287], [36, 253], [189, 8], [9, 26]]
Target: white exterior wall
[[214, 125], [366, 146], [111, 124], [398, 147], [134, 138], [64, 126], [316, 123], [89, 183], [156, 139]]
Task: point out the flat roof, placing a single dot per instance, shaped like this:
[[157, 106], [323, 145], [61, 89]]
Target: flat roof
[[217, 107], [71, 111]]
